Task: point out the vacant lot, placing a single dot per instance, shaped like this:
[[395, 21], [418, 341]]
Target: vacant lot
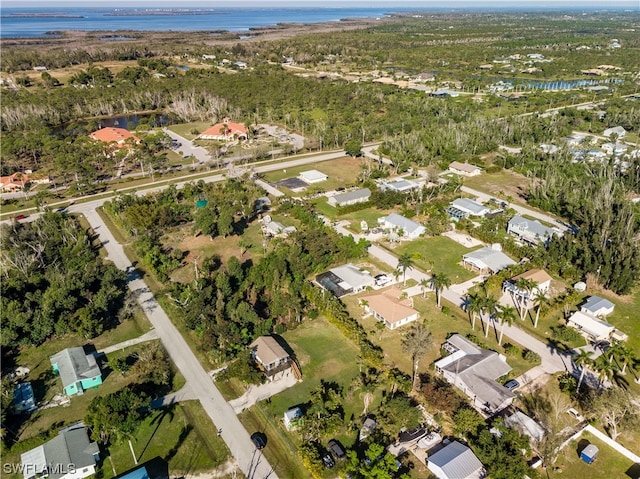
[[438, 254]]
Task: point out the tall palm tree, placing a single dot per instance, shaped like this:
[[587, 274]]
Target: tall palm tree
[[473, 306], [540, 299], [488, 304], [424, 284], [416, 343], [507, 316], [627, 356], [583, 361], [405, 262], [604, 368], [438, 282]]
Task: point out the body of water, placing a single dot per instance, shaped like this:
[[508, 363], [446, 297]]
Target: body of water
[[35, 22]]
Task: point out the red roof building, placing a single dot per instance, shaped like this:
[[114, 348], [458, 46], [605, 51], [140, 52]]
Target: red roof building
[[225, 131], [113, 135]]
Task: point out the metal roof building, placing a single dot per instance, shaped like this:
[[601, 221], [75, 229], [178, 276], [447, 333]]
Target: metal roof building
[[455, 461]]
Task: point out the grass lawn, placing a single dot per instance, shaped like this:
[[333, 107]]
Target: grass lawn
[[324, 354], [370, 215], [341, 172], [183, 435], [439, 254], [609, 462], [184, 129]]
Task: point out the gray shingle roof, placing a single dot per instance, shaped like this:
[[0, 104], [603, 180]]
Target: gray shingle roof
[[352, 195], [400, 221], [75, 365], [456, 460]]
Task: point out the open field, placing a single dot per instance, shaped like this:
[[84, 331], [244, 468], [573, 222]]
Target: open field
[[438, 254], [341, 172]]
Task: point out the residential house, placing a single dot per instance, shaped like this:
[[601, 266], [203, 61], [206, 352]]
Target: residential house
[[345, 279], [117, 136], [225, 131], [390, 307], [18, 180], [270, 357], [614, 148], [464, 208], [78, 370], [444, 93], [464, 169], [423, 77], [313, 176], [487, 260], [275, 229], [69, 455], [402, 226], [23, 399], [530, 231], [616, 130], [597, 306], [593, 328], [350, 197], [455, 461], [292, 418], [401, 186], [539, 277], [474, 371]]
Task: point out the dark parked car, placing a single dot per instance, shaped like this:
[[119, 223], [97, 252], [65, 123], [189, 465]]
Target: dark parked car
[[327, 460], [512, 384], [259, 440], [336, 449]]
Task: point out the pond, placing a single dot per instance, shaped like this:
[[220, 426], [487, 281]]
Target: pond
[[131, 121]]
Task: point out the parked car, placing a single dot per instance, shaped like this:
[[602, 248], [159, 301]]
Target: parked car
[[259, 440], [327, 460], [20, 217], [512, 384], [336, 449]]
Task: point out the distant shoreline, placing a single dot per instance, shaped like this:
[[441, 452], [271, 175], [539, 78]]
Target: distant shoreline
[[41, 15]]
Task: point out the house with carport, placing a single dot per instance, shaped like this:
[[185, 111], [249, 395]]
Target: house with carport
[[404, 227], [464, 208], [391, 307], [345, 279], [487, 260]]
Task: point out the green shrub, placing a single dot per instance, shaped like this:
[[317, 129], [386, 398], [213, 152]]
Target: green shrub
[[565, 333], [531, 356], [512, 350]]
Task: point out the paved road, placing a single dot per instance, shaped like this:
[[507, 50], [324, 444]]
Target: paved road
[[149, 336], [200, 384]]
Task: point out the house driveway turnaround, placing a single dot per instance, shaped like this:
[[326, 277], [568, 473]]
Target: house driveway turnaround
[[252, 463]]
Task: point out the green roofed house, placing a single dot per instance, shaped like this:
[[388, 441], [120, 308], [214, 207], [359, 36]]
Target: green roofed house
[[78, 370]]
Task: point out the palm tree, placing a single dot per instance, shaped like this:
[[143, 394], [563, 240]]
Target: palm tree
[[627, 356], [487, 304], [424, 283], [473, 307], [604, 368], [416, 343], [540, 299], [438, 282], [405, 262], [507, 316], [583, 361]]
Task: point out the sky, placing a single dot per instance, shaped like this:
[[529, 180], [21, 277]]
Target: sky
[[537, 4]]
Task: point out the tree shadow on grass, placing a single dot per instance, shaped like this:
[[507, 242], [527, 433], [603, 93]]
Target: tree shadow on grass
[[166, 411], [186, 430]]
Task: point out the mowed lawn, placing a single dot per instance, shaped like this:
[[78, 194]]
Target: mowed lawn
[[340, 172], [609, 462], [438, 254], [183, 435]]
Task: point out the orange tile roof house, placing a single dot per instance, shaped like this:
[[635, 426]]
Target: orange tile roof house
[[390, 308], [17, 181], [113, 135], [225, 131]]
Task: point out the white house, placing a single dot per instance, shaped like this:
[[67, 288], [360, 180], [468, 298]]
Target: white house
[[313, 176], [397, 223], [597, 306], [487, 260], [464, 169], [390, 308], [69, 455], [464, 208], [345, 279], [474, 371], [455, 461], [401, 186], [530, 231], [617, 130], [350, 197], [593, 328]]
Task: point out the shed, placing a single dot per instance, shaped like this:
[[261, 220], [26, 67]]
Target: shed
[[292, 418], [313, 176], [589, 453]]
